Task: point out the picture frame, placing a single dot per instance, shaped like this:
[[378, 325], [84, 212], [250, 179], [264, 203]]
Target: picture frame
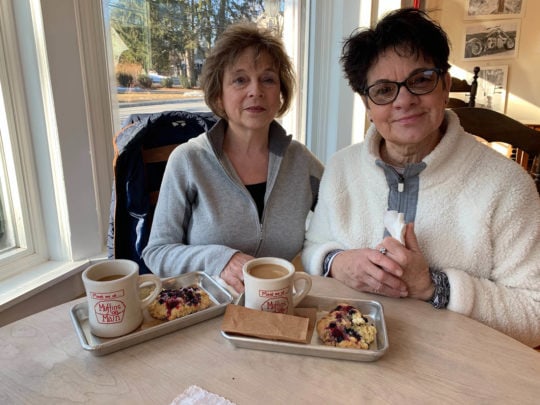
[[498, 39], [494, 9], [491, 90]]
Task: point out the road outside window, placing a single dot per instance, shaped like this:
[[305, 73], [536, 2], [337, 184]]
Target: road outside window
[[158, 47]]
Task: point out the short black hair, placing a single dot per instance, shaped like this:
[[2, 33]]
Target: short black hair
[[406, 31]]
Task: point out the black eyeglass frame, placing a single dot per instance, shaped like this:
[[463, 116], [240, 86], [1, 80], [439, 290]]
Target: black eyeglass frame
[[438, 72]]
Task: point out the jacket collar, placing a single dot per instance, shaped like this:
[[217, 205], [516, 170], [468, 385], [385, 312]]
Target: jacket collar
[[277, 144], [441, 152]]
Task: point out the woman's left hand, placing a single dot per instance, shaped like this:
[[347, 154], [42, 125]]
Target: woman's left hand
[[232, 273], [412, 261]]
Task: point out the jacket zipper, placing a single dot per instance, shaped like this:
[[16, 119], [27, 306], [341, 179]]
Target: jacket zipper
[[400, 188], [261, 225]]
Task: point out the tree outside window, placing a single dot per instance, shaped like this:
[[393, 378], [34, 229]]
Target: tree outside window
[[168, 40]]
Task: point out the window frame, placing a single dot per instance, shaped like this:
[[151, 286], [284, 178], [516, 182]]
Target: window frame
[[336, 116], [18, 164], [61, 116]]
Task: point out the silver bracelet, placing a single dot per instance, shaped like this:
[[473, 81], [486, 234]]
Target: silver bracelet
[[328, 259]]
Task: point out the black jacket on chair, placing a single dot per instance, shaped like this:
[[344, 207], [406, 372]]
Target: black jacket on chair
[[142, 148]]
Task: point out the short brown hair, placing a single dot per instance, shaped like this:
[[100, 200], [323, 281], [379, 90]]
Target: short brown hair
[[234, 40]]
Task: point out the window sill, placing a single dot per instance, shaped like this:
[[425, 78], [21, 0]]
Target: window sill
[[41, 287]]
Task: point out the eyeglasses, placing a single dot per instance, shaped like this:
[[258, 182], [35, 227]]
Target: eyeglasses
[[422, 82]]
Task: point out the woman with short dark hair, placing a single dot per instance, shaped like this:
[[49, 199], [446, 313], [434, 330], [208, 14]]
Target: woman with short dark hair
[[471, 243]]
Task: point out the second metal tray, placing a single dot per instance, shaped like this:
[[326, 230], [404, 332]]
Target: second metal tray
[[373, 310], [151, 327]]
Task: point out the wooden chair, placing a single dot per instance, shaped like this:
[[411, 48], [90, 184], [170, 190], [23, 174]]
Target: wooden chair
[[496, 127], [461, 86]]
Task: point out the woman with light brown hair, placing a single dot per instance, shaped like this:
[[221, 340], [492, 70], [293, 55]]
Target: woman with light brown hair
[[244, 188]]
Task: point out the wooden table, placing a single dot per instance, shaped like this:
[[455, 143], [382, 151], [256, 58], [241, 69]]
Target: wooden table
[[434, 357]]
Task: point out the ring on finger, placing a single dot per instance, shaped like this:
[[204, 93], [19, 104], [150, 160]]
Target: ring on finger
[[383, 251]]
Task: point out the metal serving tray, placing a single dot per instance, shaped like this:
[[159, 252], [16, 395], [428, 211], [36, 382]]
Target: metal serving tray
[[152, 328], [373, 310]]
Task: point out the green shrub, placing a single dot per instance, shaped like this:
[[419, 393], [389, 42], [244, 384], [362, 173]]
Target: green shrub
[[124, 79], [167, 82], [145, 81]]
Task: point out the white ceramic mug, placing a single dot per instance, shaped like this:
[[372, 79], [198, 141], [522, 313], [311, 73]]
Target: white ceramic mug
[[114, 304], [273, 285]]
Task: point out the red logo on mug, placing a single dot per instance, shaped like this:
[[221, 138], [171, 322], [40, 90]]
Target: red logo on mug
[[278, 305], [110, 311]]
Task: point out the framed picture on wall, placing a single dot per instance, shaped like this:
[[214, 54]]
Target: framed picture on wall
[[497, 39], [494, 9], [491, 91]]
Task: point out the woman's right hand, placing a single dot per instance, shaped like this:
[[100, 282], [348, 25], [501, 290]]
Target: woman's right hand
[[232, 273], [362, 269]]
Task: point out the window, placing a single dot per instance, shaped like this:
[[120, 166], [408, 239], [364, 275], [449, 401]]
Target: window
[[55, 143], [157, 47], [58, 117], [21, 232], [56, 129]]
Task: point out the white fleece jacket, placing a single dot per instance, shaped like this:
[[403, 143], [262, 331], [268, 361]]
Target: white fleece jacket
[[477, 219]]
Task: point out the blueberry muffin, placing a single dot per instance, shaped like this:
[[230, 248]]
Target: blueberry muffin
[[176, 303], [346, 327]]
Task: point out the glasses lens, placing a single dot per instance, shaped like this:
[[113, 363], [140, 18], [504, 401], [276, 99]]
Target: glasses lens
[[383, 93], [419, 83], [423, 82]]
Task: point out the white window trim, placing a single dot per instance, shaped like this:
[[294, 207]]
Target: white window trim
[[21, 172], [335, 115], [63, 96], [294, 22], [102, 123], [84, 126]]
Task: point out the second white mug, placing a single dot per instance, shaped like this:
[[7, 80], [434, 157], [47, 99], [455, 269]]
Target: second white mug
[[273, 285]]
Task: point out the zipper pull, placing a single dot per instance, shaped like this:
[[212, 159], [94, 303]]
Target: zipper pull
[[401, 185]]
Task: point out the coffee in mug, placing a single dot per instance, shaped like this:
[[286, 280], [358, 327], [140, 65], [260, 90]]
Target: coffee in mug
[[111, 277], [272, 285], [268, 271], [112, 290]]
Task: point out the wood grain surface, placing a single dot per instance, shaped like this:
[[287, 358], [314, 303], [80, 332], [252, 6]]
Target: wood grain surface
[[434, 357]]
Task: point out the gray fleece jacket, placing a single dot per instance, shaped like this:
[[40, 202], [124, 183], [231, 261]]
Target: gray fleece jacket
[[205, 214]]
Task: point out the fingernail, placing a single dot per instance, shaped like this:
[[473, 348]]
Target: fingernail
[[403, 293]]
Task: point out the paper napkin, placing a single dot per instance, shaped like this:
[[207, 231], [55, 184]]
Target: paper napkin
[[195, 395], [268, 325], [394, 222]]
